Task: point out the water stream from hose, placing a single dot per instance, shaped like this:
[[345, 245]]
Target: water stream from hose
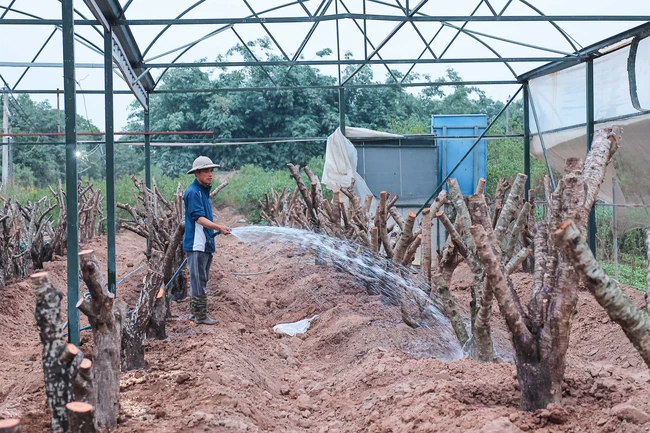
[[397, 286]]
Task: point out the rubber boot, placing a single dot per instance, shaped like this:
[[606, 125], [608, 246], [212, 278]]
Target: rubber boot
[[201, 317], [193, 308]]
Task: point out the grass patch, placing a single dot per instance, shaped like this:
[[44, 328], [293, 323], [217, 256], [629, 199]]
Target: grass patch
[[249, 185]]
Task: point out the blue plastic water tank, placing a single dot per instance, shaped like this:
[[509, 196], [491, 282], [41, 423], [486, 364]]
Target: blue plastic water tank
[[452, 149]]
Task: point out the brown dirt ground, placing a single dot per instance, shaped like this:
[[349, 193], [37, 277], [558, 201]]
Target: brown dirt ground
[[358, 368]]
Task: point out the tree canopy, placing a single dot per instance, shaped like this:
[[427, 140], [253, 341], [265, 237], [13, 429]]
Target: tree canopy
[[278, 115]]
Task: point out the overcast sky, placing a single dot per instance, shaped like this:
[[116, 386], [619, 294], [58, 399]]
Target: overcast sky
[[21, 43]]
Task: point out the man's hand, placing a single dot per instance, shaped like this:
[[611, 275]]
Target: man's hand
[[223, 229], [214, 226]]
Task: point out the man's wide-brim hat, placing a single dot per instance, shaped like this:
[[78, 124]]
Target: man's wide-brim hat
[[202, 162]]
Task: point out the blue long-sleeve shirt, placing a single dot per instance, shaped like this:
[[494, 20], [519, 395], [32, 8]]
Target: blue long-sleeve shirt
[[197, 204]]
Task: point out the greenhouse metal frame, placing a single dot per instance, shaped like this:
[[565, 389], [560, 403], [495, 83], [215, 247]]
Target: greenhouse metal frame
[[120, 48]]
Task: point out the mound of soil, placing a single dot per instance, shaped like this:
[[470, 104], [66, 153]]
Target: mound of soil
[[358, 368]]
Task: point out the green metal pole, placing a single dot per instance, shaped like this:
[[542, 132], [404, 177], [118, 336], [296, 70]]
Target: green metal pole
[[526, 138], [110, 158], [342, 109], [147, 147], [71, 175], [591, 228]]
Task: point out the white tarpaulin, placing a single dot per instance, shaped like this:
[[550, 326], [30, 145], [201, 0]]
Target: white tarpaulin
[[341, 161]]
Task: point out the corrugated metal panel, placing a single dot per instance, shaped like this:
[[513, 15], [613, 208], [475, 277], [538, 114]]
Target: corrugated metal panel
[[406, 166]]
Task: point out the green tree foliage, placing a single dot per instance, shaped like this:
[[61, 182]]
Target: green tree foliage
[[277, 115], [40, 161]]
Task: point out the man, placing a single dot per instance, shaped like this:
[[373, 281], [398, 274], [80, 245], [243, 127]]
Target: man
[[198, 241]]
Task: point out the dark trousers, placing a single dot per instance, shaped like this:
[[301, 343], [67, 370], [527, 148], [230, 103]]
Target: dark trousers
[[198, 264]]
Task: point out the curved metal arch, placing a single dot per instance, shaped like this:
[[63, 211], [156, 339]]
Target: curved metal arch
[[215, 32], [554, 24], [169, 25], [498, 38], [485, 44], [47, 41], [94, 47]]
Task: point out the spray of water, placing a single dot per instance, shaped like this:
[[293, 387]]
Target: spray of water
[[396, 286]]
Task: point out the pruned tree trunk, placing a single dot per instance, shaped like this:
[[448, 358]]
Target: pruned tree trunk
[[528, 235], [11, 425], [295, 173], [218, 189], [60, 360], [81, 417], [161, 308], [481, 346], [450, 310], [135, 328], [106, 315], [540, 335]]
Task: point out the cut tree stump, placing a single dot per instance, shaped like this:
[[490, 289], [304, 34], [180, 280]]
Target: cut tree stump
[[10, 425], [106, 315], [60, 360], [81, 417]]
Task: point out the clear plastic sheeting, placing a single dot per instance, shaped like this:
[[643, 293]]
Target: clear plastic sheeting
[[558, 109]]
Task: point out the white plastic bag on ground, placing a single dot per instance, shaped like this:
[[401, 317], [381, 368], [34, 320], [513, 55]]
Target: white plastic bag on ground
[[299, 327]]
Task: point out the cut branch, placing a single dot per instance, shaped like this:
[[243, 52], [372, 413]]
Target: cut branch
[[509, 209], [453, 234], [620, 309], [497, 280], [426, 245], [405, 239]]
